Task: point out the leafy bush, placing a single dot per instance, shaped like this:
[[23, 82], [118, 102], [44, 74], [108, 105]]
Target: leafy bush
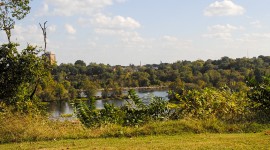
[[213, 103], [259, 93], [111, 114], [89, 117], [158, 109], [133, 114]]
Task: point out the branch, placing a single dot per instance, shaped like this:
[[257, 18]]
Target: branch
[[43, 28]]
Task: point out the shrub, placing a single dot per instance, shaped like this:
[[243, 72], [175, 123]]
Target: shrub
[[260, 94], [208, 103], [133, 114]]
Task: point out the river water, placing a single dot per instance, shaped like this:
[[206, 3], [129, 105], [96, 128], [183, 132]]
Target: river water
[[60, 108]]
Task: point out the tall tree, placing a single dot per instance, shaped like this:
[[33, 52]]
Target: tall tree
[[19, 74], [10, 10], [20, 70]]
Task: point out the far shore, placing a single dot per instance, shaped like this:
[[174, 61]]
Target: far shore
[[139, 88]]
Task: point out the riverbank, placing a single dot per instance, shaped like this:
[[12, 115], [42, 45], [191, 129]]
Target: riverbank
[[141, 88], [124, 96], [185, 141]]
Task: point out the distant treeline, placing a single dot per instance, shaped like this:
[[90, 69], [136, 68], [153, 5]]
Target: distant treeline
[[68, 80]]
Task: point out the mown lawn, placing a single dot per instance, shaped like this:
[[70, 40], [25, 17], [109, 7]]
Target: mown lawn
[[184, 141]]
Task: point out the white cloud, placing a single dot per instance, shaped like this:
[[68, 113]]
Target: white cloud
[[52, 28], [256, 24], [45, 7], [223, 36], [132, 39], [31, 34], [115, 22], [125, 36], [121, 28], [43, 10], [75, 7], [25, 34], [222, 31], [224, 28], [19, 32], [224, 8], [70, 29], [170, 38], [171, 42], [257, 36], [120, 1]]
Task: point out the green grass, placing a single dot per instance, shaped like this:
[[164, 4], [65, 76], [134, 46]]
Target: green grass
[[184, 141]]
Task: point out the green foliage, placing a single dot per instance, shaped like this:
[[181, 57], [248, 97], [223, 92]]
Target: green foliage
[[89, 117], [222, 104], [89, 88], [60, 92], [20, 75], [105, 93], [133, 114], [111, 114], [177, 76], [80, 63], [136, 111], [116, 92], [176, 87], [135, 98], [9, 63], [21, 71], [260, 91], [158, 109]]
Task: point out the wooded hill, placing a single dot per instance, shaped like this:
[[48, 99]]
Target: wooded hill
[[69, 79]]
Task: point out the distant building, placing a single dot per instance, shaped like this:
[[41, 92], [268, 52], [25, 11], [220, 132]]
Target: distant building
[[51, 57]]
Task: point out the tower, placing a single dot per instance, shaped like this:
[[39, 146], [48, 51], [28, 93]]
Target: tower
[[51, 57]]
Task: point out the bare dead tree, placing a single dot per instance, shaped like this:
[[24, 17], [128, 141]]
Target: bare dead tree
[[44, 28], [45, 43]]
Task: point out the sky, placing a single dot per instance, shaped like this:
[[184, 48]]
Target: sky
[[123, 32]]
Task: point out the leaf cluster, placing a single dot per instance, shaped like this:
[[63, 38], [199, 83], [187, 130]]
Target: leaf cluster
[[134, 113]]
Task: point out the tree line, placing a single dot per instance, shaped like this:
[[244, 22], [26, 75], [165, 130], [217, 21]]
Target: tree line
[[67, 81]]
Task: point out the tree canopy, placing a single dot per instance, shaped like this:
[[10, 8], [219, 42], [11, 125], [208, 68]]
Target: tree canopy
[[10, 10]]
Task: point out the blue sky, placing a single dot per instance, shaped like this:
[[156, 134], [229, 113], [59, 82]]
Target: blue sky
[[149, 31]]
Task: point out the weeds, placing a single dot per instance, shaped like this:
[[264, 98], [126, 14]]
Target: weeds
[[19, 128], [138, 119]]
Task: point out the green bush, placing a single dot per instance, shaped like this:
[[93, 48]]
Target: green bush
[[222, 104], [259, 93], [133, 114]]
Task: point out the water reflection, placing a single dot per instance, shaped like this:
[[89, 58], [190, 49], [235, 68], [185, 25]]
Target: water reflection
[[100, 103], [58, 108]]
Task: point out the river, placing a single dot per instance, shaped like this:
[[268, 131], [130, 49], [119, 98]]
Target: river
[[60, 108]]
